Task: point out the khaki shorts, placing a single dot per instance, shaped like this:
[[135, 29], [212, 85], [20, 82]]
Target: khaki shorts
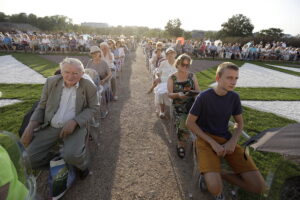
[[208, 161]]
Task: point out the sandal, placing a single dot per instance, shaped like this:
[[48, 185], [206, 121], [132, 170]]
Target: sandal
[[161, 115], [202, 184], [180, 152]]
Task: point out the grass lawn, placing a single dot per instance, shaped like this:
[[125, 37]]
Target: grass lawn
[[269, 94], [11, 116], [257, 121]]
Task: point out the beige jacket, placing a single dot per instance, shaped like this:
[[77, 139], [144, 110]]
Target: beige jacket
[[87, 101]]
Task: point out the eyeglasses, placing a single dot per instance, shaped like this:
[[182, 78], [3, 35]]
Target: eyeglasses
[[185, 65]]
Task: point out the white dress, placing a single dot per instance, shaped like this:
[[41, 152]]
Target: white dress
[[165, 69]]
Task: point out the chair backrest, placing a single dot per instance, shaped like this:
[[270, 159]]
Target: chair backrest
[[93, 74]]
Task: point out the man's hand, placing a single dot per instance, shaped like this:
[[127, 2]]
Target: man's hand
[[219, 149], [28, 133], [229, 146], [27, 136], [68, 128], [181, 95]]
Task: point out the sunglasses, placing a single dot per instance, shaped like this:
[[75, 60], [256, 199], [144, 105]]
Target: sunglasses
[[185, 65]]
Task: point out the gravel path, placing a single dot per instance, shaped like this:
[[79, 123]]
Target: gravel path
[[13, 71], [136, 158]]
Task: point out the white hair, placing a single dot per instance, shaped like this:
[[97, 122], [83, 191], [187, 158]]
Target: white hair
[[71, 61], [102, 44]]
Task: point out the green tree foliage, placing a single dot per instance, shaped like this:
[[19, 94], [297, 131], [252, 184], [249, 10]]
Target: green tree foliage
[[275, 33], [47, 23], [32, 19], [213, 35], [3, 17], [19, 18], [187, 35], [173, 28], [62, 23], [237, 26]]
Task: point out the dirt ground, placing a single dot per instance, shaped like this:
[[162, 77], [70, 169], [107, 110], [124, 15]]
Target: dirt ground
[[136, 158]]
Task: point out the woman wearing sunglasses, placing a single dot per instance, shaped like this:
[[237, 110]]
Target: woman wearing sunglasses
[[182, 88]]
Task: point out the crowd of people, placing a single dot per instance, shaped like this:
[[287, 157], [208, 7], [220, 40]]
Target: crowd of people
[[76, 94], [55, 43], [218, 49], [72, 42], [203, 117], [75, 98]]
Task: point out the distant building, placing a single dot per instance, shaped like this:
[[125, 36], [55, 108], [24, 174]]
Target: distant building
[[196, 34], [287, 36], [95, 24]]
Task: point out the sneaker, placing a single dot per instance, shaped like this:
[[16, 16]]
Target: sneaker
[[202, 183], [93, 123], [161, 115], [220, 197], [83, 173], [103, 114]]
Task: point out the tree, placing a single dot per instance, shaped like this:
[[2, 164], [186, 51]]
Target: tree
[[237, 26], [212, 35], [3, 17], [156, 32], [275, 33], [19, 18], [187, 35], [32, 19], [173, 28]]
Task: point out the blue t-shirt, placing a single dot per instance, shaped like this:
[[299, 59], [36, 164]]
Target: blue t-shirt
[[6, 40], [214, 111]]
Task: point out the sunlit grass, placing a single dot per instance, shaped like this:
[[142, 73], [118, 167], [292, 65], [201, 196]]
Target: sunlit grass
[[255, 121], [12, 115]]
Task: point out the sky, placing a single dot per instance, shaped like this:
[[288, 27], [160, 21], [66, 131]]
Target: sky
[[194, 14]]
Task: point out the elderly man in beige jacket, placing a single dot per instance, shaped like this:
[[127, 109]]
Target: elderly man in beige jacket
[[68, 101]]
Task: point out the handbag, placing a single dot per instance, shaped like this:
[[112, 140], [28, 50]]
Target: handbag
[[189, 104], [61, 177]]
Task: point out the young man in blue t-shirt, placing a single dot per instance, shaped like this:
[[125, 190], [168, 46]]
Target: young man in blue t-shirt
[[208, 119]]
